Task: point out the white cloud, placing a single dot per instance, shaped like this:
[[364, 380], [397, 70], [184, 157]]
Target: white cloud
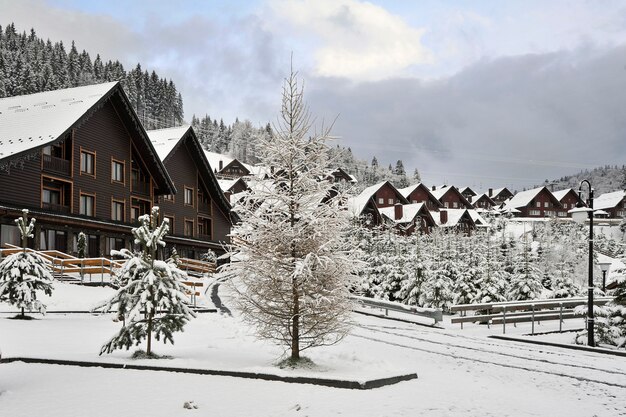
[[355, 40]]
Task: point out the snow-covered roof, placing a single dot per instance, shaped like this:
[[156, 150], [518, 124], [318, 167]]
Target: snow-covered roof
[[409, 211], [477, 218], [465, 190], [165, 140], [34, 120], [496, 191], [523, 198], [561, 193], [483, 195], [609, 200], [454, 216]]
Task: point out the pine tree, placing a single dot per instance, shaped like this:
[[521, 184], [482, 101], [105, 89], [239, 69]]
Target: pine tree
[[24, 273], [293, 271], [416, 176], [151, 297], [526, 279]]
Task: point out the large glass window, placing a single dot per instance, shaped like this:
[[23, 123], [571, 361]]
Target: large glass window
[[117, 211], [188, 196]]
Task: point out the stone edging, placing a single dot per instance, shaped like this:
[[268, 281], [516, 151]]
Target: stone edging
[[561, 345], [334, 383]]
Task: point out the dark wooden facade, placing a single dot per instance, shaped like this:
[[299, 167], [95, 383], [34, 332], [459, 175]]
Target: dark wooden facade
[[451, 197], [97, 178], [421, 194], [568, 202], [544, 204], [387, 196], [199, 214], [499, 195], [483, 202]]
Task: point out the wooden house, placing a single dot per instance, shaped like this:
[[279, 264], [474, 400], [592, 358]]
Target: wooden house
[[80, 161], [451, 197], [613, 203], [467, 192], [483, 202], [199, 213], [538, 202], [366, 205], [226, 167], [568, 199], [499, 195], [419, 193], [407, 218]]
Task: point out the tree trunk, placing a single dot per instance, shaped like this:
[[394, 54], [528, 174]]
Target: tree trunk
[[295, 325], [149, 336]]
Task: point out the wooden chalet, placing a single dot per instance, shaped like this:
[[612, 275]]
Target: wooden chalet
[[463, 220], [419, 193], [613, 203], [384, 194], [226, 167], [483, 201], [568, 199], [538, 202], [80, 161], [467, 192], [451, 197], [407, 218], [199, 213], [339, 175], [499, 195]]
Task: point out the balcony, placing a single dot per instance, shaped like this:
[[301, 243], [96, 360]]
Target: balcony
[[57, 208], [204, 237], [56, 165], [142, 188]]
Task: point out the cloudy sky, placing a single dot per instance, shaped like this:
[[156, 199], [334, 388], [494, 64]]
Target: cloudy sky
[[479, 93]]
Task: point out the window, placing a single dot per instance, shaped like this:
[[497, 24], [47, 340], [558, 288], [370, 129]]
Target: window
[[169, 197], [534, 213], [455, 204], [390, 200], [51, 196], [546, 204], [117, 171], [87, 203], [564, 205], [381, 201], [87, 163], [538, 204], [445, 204], [188, 196], [562, 213], [117, 211], [414, 201], [188, 228]]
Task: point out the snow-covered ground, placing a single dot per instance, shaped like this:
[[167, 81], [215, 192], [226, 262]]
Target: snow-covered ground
[[461, 372]]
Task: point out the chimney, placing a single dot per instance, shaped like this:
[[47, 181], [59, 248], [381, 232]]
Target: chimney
[[469, 198], [443, 216], [221, 165], [397, 213], [490, 192], [434, 188]]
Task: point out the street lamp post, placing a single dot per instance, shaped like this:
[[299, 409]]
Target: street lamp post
[[578, 215]]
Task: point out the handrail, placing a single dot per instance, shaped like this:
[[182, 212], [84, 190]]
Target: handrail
[[432, 313]]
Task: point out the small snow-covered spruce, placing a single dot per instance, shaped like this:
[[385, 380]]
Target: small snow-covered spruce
[[23, 273], [81, 245], [291, 267], [151, 297], [526, 279]]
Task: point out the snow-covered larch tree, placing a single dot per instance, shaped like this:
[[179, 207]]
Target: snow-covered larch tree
[[290, 267], [151, 297], [23, 273]]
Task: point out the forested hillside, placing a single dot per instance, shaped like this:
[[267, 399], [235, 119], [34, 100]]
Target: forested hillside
[[604, 179], [28, 64]]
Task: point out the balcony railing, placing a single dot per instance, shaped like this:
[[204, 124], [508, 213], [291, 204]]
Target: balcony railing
[[58, 208], [56, 165], [141, 188], [204, 237]]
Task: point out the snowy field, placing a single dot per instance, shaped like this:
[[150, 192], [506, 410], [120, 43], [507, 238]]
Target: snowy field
[[461, 372]]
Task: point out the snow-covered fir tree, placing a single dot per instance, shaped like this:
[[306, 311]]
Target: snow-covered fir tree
[[151, 298], [526, 278], [493, 279], [24, 273], [291, 268], [437, 291], [417, 269]]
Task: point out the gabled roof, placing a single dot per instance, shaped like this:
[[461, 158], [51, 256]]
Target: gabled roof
[[407, 191], [477, 218], [454, 217], [373, 189], [167, 140], [483, 196], [562, 193], [227, 185], [31, 122], [609, 200], [36, 120], [409, 211], [215, 159], [523, 198], [342, 172], [496, 191], [467, 190], [440, 192]]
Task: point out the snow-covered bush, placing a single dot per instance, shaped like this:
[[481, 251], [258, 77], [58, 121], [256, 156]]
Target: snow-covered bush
[[23, 273], [151, 298]]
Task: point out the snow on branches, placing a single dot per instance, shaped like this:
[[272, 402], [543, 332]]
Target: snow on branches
[[23, 273], [151, 298]]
